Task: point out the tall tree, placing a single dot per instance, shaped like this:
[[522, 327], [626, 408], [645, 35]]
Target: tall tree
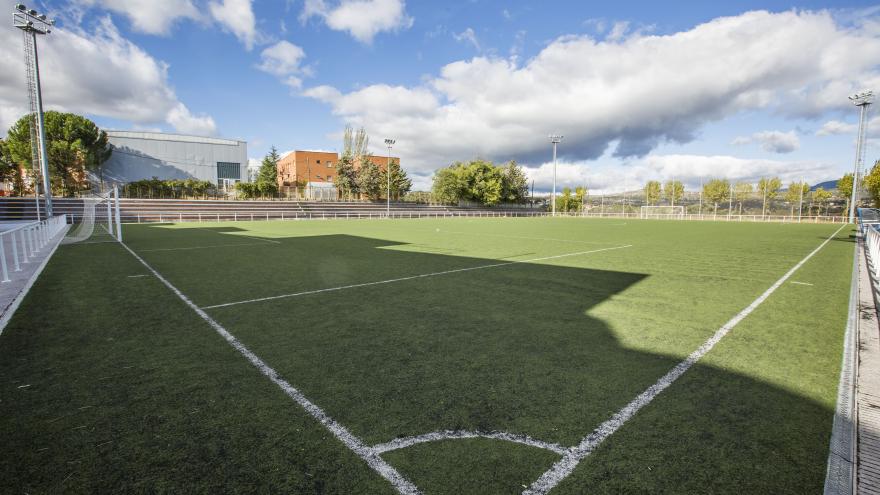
[[844, 188], [400, 183], [580, 196], [515, 184], [795, 194], [821, 198], [371, 179], [74, 145], [267, 175], [673, 191], [715, 191], [346, 178], [768, 188], [742, 191], [872, 183], [449, 183], [652, 192]]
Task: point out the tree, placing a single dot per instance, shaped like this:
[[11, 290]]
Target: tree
[[844, 188], [9, 169], [400, 183], [872, 183], [371, 179], [652, 192], [742, 190], [267, 175], [515, 184], [821, 197], [716, 191], [673, 191], [74, 145], [768, 188], [580, 196], [449, 184], [346, 178], [795, 194]]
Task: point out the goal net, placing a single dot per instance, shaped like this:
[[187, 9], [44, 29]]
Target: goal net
[[96, 221], [670, 212]]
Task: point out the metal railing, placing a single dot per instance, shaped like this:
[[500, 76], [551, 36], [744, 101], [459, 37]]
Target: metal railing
[[20, 245], [228, 215]]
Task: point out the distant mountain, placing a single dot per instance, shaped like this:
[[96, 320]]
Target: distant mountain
[[827, 185]]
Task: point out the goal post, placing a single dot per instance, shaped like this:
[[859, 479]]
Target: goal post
[[665, 212], [98, 220]]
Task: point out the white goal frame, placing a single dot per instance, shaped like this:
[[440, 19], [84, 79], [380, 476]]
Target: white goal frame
[[666, 212]]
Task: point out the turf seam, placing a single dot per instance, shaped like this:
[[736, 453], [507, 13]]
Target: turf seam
[[412, 277], [565, 466], [355, 444], [402, 443]]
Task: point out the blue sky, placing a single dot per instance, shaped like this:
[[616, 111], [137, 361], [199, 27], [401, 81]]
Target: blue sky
[[641, 90]]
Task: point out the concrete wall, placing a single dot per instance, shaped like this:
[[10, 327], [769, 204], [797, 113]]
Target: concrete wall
[[143, 155]]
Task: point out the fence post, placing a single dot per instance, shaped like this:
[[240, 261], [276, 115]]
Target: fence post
[[3, 258], [15, 253]]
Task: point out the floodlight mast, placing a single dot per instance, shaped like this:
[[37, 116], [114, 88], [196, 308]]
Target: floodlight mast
[[33, 23], [389, 143], [555, 139], [862, 100]]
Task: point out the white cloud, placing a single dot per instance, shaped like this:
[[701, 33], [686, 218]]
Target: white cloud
[[150, 16], [631, 94], [362, 19], [95, 73], [835, 127], [236, 16], [282, 59], [771, 141], [468, 36], [689, 169], [159, 16]]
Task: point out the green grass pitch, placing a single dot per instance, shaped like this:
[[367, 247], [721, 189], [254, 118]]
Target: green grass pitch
[[538, 328]]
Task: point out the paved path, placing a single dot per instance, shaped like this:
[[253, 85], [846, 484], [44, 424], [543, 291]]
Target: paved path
[[867, 387]]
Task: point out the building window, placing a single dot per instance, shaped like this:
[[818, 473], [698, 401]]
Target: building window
[[330, 164], [228, 170], [319, 161], [329, 178]]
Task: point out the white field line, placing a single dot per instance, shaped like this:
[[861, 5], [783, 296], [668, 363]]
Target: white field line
[[802, 283], [203, 247], [402, 443], [340, 432], [412, 277], [136, 276], [564, 467], [485, 234]]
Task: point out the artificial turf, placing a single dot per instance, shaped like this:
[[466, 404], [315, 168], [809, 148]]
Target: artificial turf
[[547, 348]]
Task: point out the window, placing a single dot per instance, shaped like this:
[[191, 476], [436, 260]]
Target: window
[[319, 161], [228, 170], [330, 164], [329, 178]]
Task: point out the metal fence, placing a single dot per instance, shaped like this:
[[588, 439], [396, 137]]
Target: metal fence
[[18, 246], [277, 214]]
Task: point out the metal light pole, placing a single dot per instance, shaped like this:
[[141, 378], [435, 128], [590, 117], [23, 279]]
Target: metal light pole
[[555, 139], [31, 24], [861, 100], [389, 143]]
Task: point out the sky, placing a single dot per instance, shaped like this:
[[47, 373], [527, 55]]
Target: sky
[[640, 90]]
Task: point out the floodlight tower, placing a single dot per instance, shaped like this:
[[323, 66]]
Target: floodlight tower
[[389, 143], [555, 139], [862, 100], [31, 24]]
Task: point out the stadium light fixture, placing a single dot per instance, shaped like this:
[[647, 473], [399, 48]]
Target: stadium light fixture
[[555, 139], [862, 100], [389, 143], [31, 24]]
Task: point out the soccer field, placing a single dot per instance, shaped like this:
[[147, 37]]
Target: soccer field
[[446, 356]]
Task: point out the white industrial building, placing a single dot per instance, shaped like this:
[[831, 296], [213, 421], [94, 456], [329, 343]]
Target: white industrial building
[[143, 155]]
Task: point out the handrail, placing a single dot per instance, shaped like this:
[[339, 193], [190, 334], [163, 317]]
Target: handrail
[[30, 239]]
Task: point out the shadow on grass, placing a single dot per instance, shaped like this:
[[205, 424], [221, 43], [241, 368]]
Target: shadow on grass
[[511, 349]]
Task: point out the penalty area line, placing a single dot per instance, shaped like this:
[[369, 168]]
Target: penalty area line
[[412, 277], [565, 466], [368, 454]]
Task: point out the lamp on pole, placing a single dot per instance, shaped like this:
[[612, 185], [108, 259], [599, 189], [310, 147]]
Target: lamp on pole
[[31, 24], [555, 139], [861, 100], [389, 143]]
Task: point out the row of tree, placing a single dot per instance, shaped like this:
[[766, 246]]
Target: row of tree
[[357, 174], [718, 191], [482, 182]]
